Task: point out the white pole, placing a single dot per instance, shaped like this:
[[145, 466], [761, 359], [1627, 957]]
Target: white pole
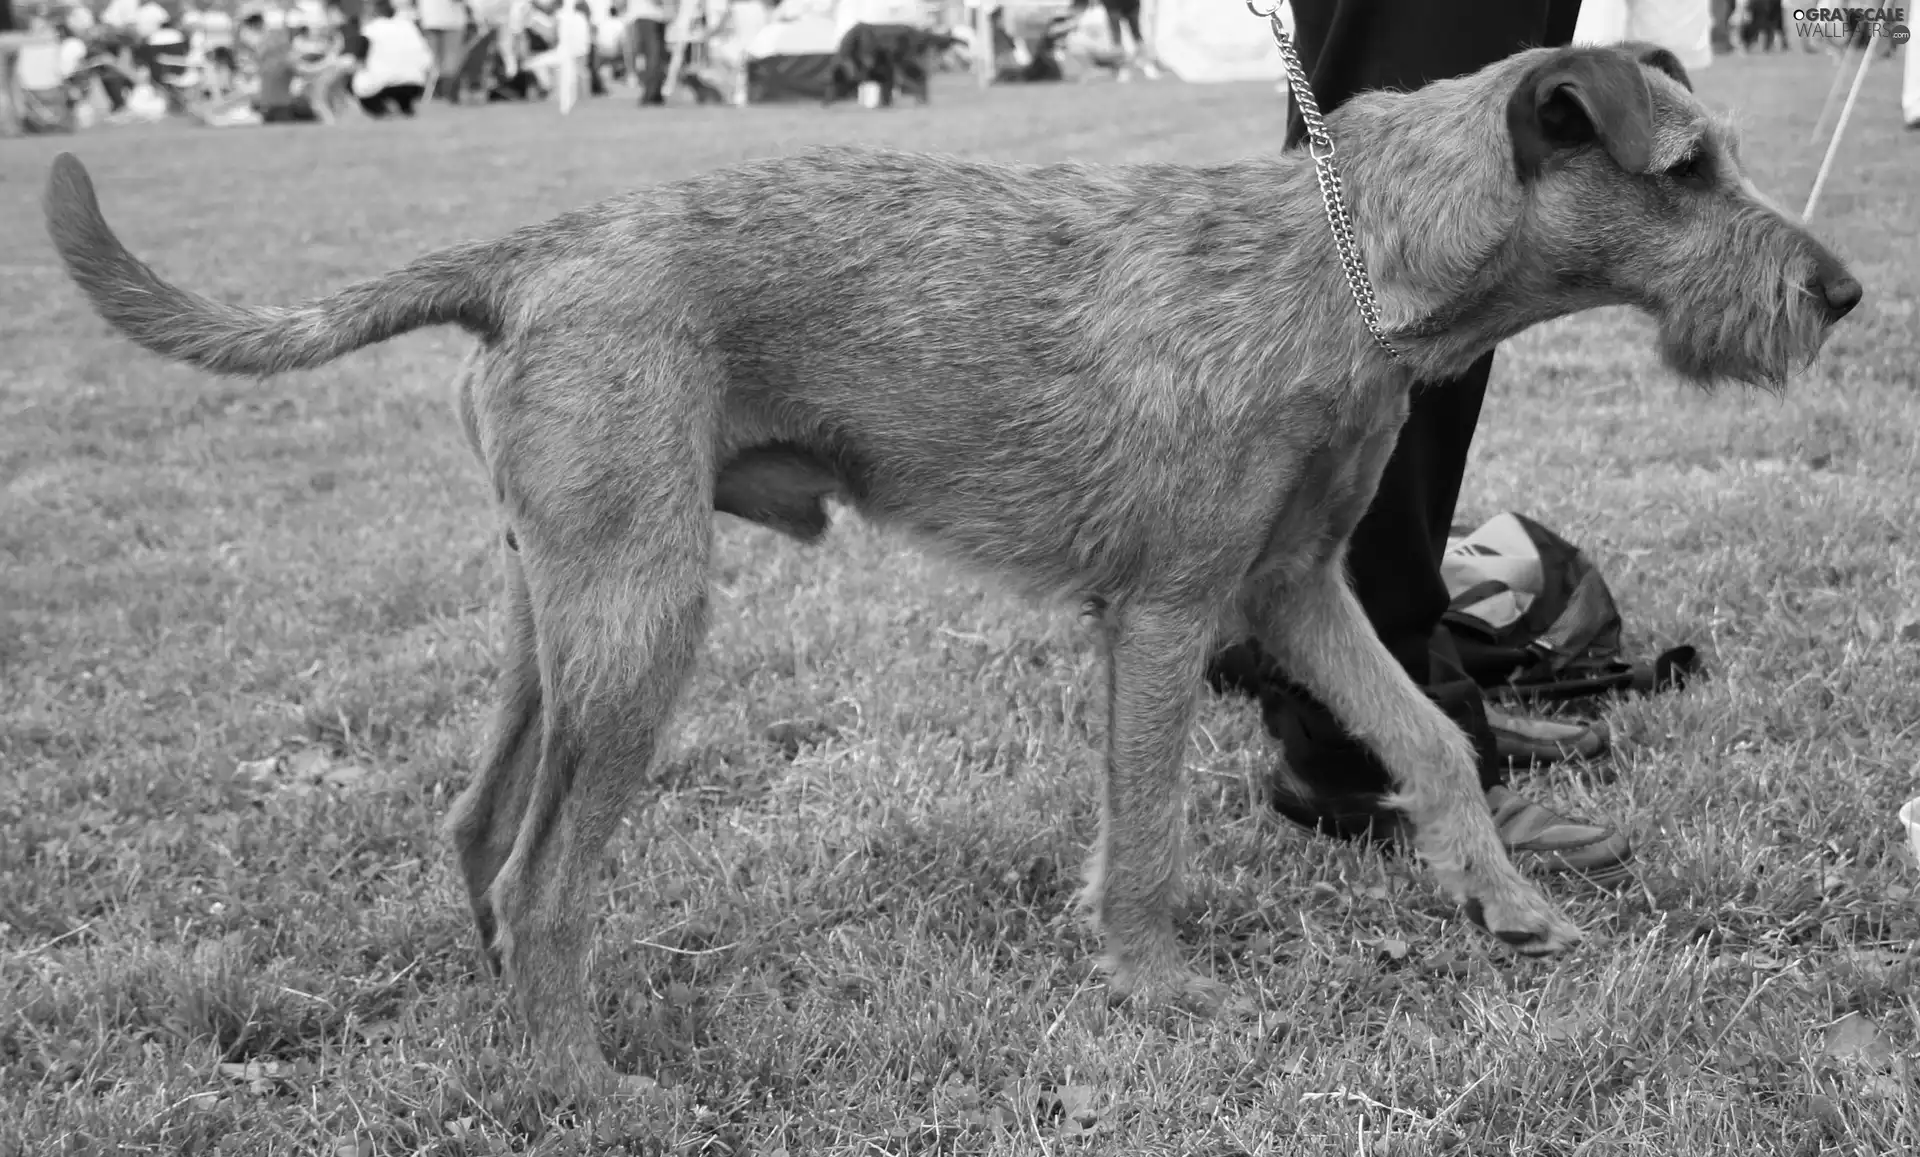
[[1833, 91], [1839, 130]]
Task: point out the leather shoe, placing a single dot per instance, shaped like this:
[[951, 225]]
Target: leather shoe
[[1528, 829], [1560, 844], [1525, 741]]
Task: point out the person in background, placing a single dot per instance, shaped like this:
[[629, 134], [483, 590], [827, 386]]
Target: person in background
[[346, 30], [145, 101], [166, 53], [647, 22], [527, 48], [599, 15], [272, 16], [285, 88], [484, 46], [209, 31], [445, 25], [575, 49], [149, 18], [249, 37], [73, 56], [280, 99], [393, 74], [38, 93], [513, 48], [120, 14], [314, 15], [313, 41], [327, 52]]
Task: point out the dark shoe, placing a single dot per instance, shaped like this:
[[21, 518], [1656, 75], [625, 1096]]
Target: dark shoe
[[1344, 817], [1564, 845], [1561, 844], [1524, 741]]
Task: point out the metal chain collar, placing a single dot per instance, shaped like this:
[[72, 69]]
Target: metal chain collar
[[1332, 191]]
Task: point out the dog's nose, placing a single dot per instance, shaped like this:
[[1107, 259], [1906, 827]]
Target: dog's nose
[[1841, 294]]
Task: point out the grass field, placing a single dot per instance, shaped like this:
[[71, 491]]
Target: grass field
[[844, 929]]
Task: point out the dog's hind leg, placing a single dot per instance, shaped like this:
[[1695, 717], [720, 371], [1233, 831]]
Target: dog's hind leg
[[619, 621], [609, 485], [1317, 631], [1155, 658], [485, 819]]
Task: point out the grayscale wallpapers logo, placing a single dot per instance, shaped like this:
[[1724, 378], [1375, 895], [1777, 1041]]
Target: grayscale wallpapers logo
[[1848, 23]]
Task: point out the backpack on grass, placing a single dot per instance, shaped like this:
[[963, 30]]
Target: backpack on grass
[[1534, 621]]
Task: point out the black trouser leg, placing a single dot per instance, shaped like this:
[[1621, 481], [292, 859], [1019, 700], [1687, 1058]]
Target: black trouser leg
[[653, 48], [1349, 46]]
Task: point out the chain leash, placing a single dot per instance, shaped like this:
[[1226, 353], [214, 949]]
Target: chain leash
[[1333, 193]]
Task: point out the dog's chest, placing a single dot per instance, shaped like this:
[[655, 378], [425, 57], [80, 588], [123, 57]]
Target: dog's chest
[[1321, 494]]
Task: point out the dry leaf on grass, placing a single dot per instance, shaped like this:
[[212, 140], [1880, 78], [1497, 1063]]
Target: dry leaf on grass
[[1569, 1024], [1389, 948], [1908, 628], [1855, 1037], [1322, 893], [1414, 1031], [260, 1076], [257, 768], [304, 772], [1071, 1106]]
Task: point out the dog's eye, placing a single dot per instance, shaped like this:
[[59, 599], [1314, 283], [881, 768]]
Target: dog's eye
[[1692, 171]]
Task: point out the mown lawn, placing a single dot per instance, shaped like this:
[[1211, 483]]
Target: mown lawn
[[845, 928]]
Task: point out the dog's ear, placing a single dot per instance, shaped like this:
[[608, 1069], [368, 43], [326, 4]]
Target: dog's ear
[[1579, 97], [1658, 59]]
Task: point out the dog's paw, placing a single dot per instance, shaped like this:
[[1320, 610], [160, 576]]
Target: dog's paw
[[1524, 921], [1175, 991]]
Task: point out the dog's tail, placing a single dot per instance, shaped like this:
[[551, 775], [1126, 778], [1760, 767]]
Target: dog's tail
[[453, 286]]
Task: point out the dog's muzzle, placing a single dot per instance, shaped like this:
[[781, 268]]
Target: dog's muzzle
[[1840, 294], [1832, 286]]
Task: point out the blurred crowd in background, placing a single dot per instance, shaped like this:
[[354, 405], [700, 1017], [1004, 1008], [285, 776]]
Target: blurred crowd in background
[[230, 63]]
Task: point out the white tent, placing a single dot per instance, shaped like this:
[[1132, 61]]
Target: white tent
[[1213, 41], [1682, 27]]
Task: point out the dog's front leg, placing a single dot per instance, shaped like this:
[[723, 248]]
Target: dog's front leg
[[1155, 657], [1320, 635]]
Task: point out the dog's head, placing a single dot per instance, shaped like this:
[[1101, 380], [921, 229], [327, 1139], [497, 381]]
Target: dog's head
[[1596, 177]]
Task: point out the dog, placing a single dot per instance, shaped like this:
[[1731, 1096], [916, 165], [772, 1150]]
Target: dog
[[1143, 387], [893, 56]]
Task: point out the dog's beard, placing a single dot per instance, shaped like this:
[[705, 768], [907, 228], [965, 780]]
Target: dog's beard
[[1762, 348]]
